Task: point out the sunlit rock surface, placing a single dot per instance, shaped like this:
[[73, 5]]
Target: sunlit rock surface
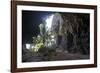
[[71, 32], [65, 36]]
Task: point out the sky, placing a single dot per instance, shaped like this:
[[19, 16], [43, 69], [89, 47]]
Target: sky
[[31, 21], [30, 24]]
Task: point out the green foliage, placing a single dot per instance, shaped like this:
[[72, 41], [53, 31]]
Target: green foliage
[[37, 44]]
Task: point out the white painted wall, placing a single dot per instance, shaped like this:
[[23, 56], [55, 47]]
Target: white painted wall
[[5, 36]]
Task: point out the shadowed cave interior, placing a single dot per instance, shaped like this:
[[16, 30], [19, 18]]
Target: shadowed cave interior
[[55, 36]]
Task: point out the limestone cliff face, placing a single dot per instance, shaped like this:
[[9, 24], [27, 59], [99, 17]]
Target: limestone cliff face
[[72, 32]]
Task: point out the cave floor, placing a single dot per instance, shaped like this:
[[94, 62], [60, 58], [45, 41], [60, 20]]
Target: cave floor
[[58, 56]]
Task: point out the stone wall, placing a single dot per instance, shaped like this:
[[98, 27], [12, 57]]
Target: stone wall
[[72, 32]]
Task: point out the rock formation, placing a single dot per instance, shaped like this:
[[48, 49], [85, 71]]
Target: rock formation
[[71, 32]]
